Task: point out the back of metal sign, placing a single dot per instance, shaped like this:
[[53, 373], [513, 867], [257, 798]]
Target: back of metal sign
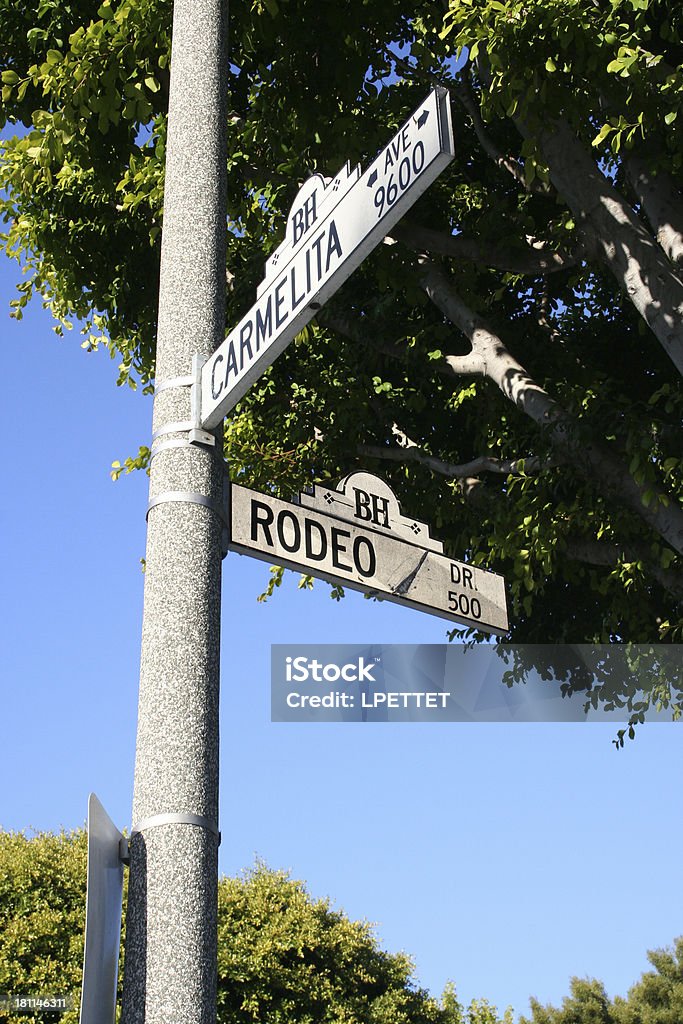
[[102, 917]]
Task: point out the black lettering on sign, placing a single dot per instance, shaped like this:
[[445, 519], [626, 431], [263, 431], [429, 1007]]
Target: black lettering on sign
[[231, 366], [279, 303], [215, 391], [338, 548], [380, 510], [261, 515], [371, 508], [462, 575], [311, 527], [396, 147], [463, 604], [308, 271], [411, 165], [314, 541], [370, 557], [303, 218], [245, 341], [316, 244], [264, 323], [362, 510], [296, 299], [333, 245], [295, 543], [404, 172]]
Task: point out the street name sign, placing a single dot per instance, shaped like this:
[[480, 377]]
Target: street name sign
[[333, 225], [357, 536]]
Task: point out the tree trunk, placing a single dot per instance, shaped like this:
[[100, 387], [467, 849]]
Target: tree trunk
[[662, 205], [623, 242]]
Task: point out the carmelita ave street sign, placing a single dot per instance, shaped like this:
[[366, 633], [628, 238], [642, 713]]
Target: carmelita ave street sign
[[332, 226], [358, 537]]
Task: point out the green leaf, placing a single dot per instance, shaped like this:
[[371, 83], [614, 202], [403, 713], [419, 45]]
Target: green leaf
[[602, 134], [10, 77]]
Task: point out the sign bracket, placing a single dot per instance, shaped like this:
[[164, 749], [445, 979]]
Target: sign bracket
[[197, 434], [124, 850], [192, 427]]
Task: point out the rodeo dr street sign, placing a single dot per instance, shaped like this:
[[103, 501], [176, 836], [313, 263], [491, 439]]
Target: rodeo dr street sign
[[333, 225], [357, 536]]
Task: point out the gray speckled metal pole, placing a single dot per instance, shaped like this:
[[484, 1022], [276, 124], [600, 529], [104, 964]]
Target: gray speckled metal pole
[[170, 956]]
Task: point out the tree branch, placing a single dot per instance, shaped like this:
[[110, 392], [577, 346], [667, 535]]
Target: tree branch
[[414, 72], [462, 365], [483, 464], [463, 93], [530, 260], [349, 327], [489, 355], [594, 460], [604, 553]]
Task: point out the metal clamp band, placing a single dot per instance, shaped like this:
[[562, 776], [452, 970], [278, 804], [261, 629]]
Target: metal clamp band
[[189, 497], [176, 819], [196, 434], [174, 382], [182, 427], [172, 442]]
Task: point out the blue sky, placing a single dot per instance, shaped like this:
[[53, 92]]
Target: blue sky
[[505, 858]]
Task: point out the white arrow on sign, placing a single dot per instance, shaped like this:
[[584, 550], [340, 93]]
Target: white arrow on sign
[[333, 225], [357, 536]]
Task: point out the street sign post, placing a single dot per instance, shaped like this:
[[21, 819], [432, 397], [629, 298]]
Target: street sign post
[[358, 537], [332, 226], [171, 919]]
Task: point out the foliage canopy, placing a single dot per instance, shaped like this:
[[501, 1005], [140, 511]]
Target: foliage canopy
[[656, 998], [511, 364], [283, 957]]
